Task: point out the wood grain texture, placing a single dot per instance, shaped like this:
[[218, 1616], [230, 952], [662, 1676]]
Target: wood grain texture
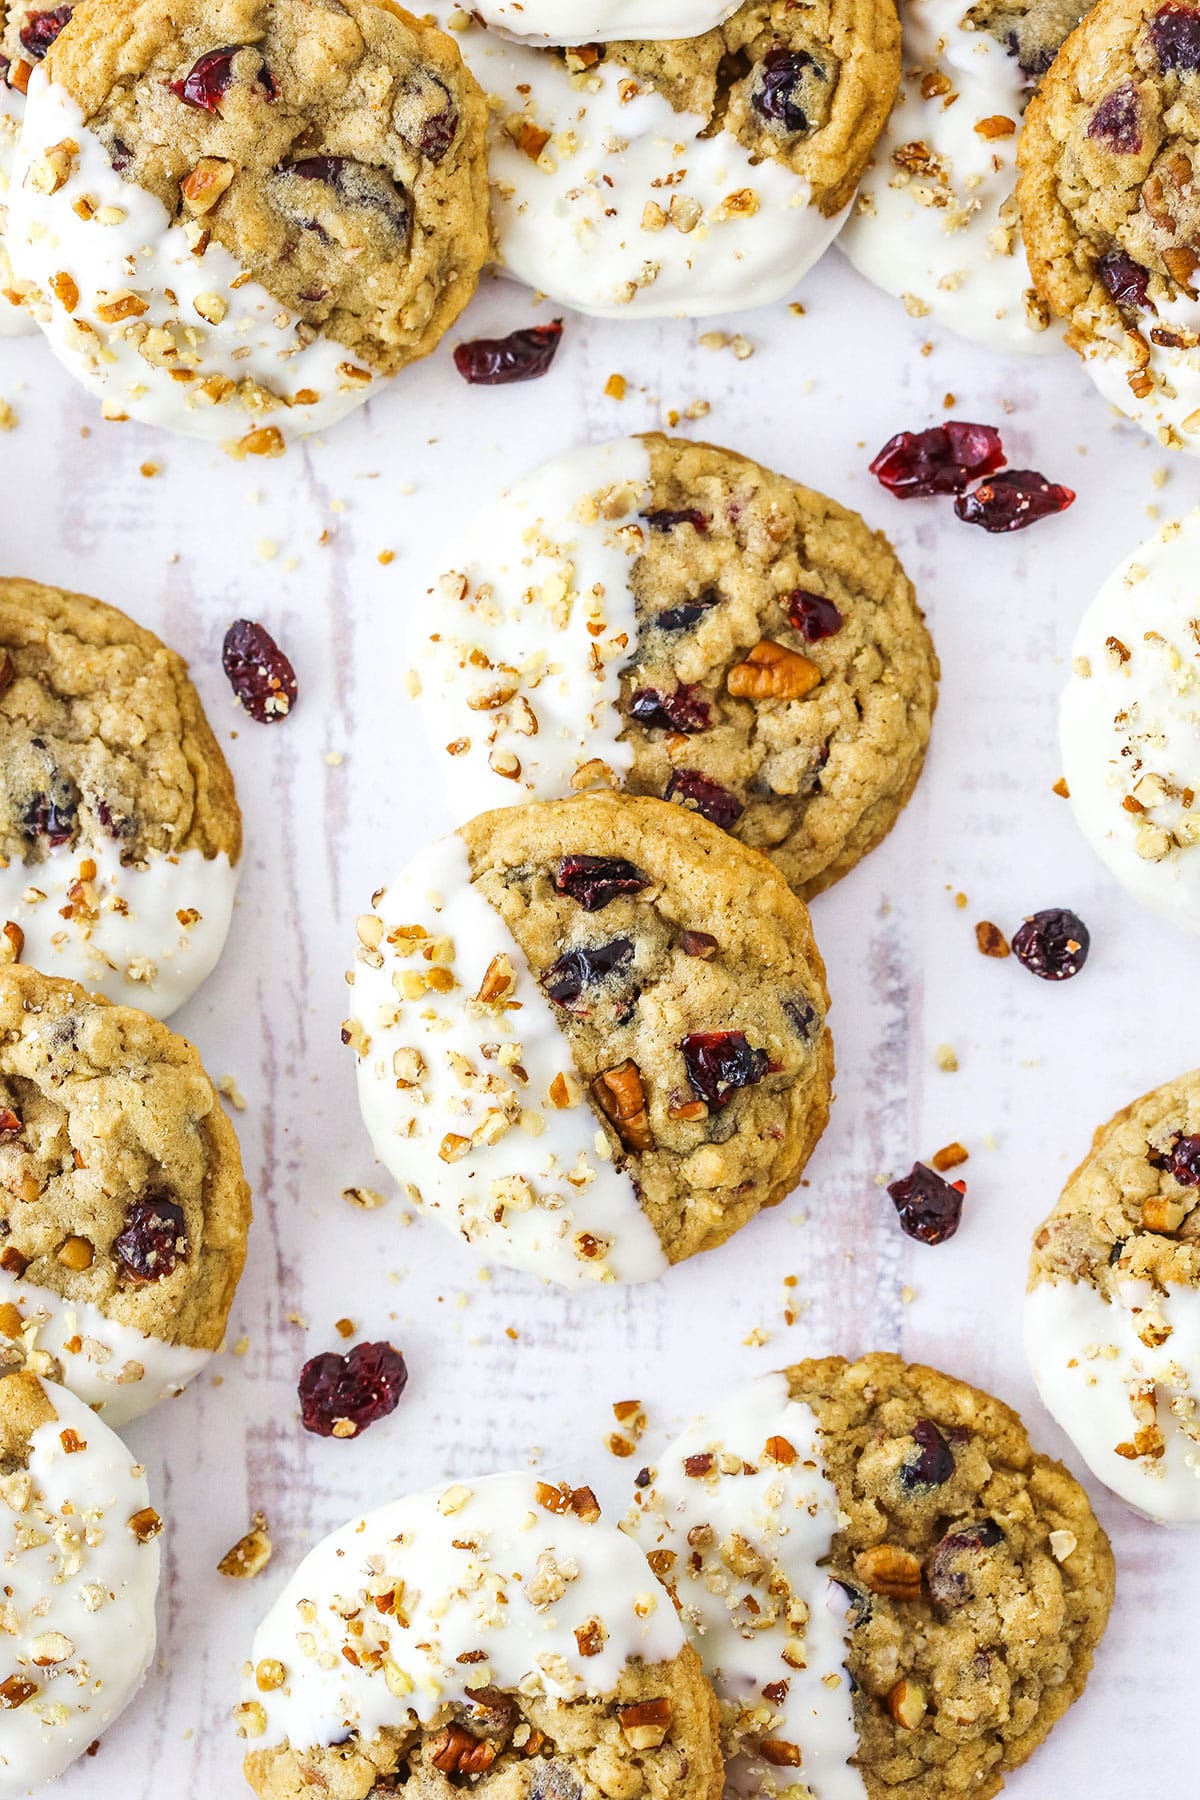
[[188, 550]]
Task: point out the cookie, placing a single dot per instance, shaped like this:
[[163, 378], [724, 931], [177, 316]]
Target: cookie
[[497, 1630], [125, 1211], [603, 21], [591, 1036], [20, 26], [119, 828], [894, 1594], [1112, 1317], [79, 1543], [689, 176], [1109, 158], [240, 217], [673, 618], [936, 220], [1129, 723]]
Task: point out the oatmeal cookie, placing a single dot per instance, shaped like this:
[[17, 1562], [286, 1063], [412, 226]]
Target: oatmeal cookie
[[892, 1590], [1110, 197], [690, 175], [125, 1211], [671, 617], [602, 21], [120, 833], [239, 215], [1112, 1317], [503, 1637], [79, 1604], [591, 1035]]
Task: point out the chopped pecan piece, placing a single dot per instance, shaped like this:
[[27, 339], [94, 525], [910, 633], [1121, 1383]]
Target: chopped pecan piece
[[773, 672], [780, 1753], [456, 1752], [251, 1554], [645, 1723], [907, 1705], [887, 1570], [622, 1099]]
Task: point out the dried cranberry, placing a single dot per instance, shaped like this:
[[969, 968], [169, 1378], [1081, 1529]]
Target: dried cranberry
[[715, 803], [260, 674], [774, 93], [1125, 279], [10, 1125], [1117, 121], [521, 356], [941, 460], [685, 710], [803, 1015], [719, 1062], [1175, 34], [664, 519], [953, 1562], [1013, 500], [306, 191], [860, 1608], [1053, 944], [341, 1395], [682, 618], [812, 615], [41, 28], [566, 980], [208, 79], [933, 1464], [930, 1209], [438, 132], [592, 881], [153, 1241], [53, 819], [1182, 1160]]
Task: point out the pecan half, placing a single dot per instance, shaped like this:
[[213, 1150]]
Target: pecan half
[[456, 1752], [773, 672], [622, 1099], [889, 1571]]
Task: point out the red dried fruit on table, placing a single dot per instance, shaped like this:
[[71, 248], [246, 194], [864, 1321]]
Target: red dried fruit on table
[[521, 356], [592, 881], [720, 1062], [686, 710], [154, 1240], [260, 674], [942, 460], [209, 78], [341, 1395], [1013, 500], [930, 1209], [1053, 944]]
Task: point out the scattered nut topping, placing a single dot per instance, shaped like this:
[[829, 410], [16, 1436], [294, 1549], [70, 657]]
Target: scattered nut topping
[[646, 1723], [991, 940], [250, 1555]]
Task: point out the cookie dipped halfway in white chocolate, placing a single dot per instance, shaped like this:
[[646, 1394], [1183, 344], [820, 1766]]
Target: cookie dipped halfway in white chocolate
[[79, 1543], [602, 21], [590, 1036], [27, 31], [497, 1630], [690, 176], [1129, 723], [1112, 1316], [936, 220]]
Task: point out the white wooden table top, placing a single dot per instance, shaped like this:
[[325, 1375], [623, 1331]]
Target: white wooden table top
[[337, 797]]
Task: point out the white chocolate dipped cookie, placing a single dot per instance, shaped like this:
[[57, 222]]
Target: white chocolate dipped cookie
[[1129, 723], [25, 35], [689, 176], [590, 1036], [79, 1543], [890, 1590], [120, 833], [603, 21], [1112, 1316], [672, 618], [239, 219], [123, 1229], [496, 1629], [936, 220]]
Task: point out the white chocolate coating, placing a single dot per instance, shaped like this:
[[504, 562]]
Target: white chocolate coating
[[1103, 1382], [539, 585], [456, 1095], [123, 936], [1170, 411], [603, 21], [573, 223], [246, 355], [112, 1367], [943, 232], [15, 319], [792, 1632], [79, 1586], [1129, 723], [477, 1564]]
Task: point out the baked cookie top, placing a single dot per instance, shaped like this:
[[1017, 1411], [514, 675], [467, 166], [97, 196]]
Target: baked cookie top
[[672, 617], [335, 150], [1108, 193], [78, 1538], [972, 1577], [591, 1035], [119, 827], [501, 1631], [125, 1215], [1112, 1318]]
